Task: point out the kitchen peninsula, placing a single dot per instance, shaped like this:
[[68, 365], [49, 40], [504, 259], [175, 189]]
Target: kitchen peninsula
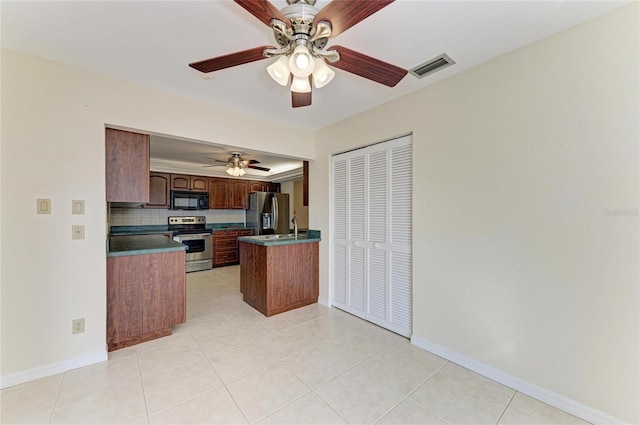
[[279, 272], [146, 288]]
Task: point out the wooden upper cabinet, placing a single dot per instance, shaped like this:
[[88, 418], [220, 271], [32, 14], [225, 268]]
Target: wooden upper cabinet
[[255, 186], [159, 184], [238, 194], [273, 187], [185, 182], [200, 184], [127, 166], [180, 182], [218, 193]]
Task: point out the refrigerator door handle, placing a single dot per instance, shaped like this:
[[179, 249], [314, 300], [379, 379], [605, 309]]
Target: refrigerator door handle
[[274, 204]]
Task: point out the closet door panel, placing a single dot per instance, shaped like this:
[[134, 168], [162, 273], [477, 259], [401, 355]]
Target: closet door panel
[[357, 282], [401, 195], [340, 213], [339, 234], [356, 184], [340, 275], [377, 192], [377, 291], [401, 296]]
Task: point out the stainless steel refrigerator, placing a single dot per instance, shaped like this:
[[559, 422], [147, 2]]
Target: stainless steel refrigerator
[[268, 212]]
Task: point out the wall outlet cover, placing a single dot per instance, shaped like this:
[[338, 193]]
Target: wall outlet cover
[[77, 326]]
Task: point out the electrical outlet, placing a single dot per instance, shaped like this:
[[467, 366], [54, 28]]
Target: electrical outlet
[[77, 326], [138, 220]]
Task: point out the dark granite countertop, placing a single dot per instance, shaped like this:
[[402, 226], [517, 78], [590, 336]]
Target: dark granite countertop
[[163, 228], [141, 244], [284, 239]]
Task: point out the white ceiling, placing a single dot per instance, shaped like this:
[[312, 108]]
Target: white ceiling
[[151, 43], [185, 156]]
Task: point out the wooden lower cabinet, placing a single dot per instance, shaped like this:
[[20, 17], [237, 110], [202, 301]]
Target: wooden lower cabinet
[[146, 296], [225, 246], [278, 278]]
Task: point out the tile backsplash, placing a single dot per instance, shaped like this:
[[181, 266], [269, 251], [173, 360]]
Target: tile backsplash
[[142, 216]]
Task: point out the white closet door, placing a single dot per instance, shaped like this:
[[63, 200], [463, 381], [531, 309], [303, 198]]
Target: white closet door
[[339, 233], [400, 279], [377, 217], [356, 232], [371, 233]]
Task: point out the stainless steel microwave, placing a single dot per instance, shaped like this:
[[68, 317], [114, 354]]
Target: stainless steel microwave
[[181, 200]]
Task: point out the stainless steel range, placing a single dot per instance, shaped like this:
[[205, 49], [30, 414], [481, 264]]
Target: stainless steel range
[[191, 231]]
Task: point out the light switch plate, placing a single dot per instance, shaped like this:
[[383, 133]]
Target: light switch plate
[[44, 206], [77, 206], [77, 231]]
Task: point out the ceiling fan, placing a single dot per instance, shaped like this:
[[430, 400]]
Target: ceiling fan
[[302, 33], [236, 164]]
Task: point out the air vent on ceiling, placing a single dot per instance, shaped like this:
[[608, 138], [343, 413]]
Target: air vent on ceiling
[[436, 64]]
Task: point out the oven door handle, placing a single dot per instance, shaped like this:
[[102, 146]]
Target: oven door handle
[[190, 236]]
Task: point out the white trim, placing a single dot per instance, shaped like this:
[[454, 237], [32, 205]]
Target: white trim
[[559, 401], [21, 377]]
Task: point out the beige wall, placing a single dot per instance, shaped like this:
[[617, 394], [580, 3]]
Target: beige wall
[[526, 196], [53, 119]]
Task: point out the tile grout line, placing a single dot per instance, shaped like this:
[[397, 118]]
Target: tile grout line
[[506, 407], [224, 385], [144, 393], [55, 404], [406, 397]]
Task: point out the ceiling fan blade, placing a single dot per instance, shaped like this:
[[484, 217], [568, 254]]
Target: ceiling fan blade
[[300, 99], [368, 67], [232, 59], [252, 161], [343, 14], [258, 168], [264, 11]]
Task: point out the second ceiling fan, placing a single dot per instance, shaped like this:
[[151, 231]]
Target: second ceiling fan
[[302, 33]]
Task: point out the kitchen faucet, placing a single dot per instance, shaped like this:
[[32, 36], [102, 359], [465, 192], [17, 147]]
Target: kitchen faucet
[[295, 227]]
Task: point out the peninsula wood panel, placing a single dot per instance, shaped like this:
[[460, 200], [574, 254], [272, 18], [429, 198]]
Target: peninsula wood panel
[[278, 278], [146, 295]]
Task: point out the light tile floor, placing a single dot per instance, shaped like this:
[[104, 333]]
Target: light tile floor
[[230, 364]]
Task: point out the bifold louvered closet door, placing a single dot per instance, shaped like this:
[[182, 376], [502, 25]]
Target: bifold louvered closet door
[[371, 233]]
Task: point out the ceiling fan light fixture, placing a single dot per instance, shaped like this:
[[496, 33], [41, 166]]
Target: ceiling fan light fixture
[[301, 63], [236, 171], [322, 74], [279, 70], [301, 85]]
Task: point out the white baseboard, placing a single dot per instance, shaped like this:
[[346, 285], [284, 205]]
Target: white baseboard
[[561, 402], [21, 377]]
